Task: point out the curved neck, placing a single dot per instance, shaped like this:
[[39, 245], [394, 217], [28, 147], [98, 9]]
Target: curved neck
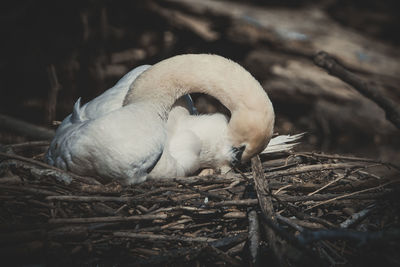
[[163, 83], [214, 75]]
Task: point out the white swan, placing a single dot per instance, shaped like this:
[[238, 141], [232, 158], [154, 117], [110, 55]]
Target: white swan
[[102, 138]]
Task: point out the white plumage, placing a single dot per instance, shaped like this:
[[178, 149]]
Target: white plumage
[[107, 138]]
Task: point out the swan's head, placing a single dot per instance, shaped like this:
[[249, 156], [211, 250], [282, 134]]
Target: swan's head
[[250, 132]]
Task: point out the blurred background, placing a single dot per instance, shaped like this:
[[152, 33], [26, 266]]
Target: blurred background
[[53, 52]]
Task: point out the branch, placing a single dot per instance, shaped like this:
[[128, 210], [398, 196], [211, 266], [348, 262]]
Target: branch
[[254, 238], [265, 202], [392, 110], [25, 128]]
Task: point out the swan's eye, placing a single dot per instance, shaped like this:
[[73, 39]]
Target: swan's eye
[[237, 153]]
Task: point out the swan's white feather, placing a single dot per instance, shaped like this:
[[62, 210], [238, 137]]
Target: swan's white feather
[[282, 143], [99, 130], [106, 138]]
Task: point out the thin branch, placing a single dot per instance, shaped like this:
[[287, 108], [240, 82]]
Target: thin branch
[[314, 168], [265, 202], [254, 238], [154, 237], [145, 217], [392, 109], [351, 194], [86, 180], [25, 128]]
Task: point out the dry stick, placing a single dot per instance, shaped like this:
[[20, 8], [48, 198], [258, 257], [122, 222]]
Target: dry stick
[[25, 128], [236, 249], [144, 217], [304, 216], [192, 180], [351, 158], [313, 168], [28, 144], [164, 237], [207, 194], [186, 254], [223, 256], [90, 199], [30, 190], [328, 184], [239, 202], [285, 198], [357, 217], [351, 194], [265, 202], [254, 237], [86, 180], [392, 109], [328, 197], [191, 253], [290, 222]]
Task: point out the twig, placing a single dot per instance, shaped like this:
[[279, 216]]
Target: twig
[[254, 238], [223, 256], [314, 168], [207, 194], [304, 216], [90, 199], [331, 197], [145, 217], [25, 128], [86, 180], [239, 202], [229, 241], [328, 184], [351, 194], [312, 258], [290, 222], [163, 237], [186, 254], [356, 217], [261, 186], [31, 190], [351, 158], [28, 144], [326, 61]]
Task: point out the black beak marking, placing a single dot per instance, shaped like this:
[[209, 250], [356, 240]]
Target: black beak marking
[[154, 163], [237, 155]]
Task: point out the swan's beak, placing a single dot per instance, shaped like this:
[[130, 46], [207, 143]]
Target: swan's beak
[[237, 153]]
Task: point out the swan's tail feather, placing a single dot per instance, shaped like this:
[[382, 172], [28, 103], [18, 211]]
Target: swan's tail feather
[[282, 143], [76, 113]]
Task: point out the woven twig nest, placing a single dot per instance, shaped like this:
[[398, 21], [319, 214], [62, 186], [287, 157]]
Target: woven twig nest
[[297, 208]]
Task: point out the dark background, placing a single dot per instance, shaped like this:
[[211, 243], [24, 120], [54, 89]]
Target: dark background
[[91, 44]]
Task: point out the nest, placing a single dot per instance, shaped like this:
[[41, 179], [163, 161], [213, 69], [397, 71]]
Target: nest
[[293, 209]]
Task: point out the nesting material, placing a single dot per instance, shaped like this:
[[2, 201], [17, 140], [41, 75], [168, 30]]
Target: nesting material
[[302, 208]]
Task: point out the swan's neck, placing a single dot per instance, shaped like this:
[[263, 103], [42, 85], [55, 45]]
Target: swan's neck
[[163, 83]]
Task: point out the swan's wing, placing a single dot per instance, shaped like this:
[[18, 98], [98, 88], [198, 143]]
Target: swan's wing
[[105, 103], [112, 98], [282, 143]]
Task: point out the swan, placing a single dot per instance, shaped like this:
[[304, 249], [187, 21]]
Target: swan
[[130, 132]]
